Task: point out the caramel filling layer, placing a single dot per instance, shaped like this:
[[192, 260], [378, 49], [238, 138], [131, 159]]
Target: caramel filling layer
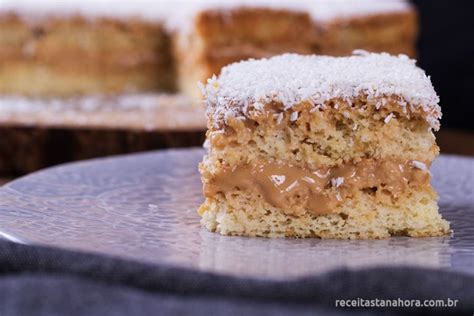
[[319, 191]]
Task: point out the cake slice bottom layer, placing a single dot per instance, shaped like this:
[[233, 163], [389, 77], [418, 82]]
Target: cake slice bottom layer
[[361, 216]]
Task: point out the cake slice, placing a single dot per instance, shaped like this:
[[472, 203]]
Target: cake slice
[[212, 36], [73, 52], [373, 25], [216, 35], [318, 146]]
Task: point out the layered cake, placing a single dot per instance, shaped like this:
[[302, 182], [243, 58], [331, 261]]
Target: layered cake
[[318, 146]]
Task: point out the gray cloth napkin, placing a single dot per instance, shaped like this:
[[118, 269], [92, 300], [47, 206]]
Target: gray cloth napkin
[[46, 281]]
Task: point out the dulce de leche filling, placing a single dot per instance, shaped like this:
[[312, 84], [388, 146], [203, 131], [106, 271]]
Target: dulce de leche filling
[[319, 191]]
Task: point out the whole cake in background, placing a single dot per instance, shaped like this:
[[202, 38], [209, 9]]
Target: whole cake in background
[[51, 48], [319, 146]]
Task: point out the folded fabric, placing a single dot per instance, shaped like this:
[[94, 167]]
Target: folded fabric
[[38, 280]]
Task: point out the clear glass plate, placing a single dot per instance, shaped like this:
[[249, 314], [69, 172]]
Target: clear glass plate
[[143, 207]]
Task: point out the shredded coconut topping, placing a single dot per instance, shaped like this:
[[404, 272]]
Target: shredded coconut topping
[[290, 79]]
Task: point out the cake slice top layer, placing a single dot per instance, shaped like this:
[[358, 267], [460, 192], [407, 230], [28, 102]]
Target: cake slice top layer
[[290, 79]]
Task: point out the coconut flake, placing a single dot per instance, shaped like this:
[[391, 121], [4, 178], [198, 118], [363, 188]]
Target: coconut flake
[[259, 106], [206, 144], [419, 165], [388, 118], [279, 118], [293, 116], [315, 109], [336, 182]]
